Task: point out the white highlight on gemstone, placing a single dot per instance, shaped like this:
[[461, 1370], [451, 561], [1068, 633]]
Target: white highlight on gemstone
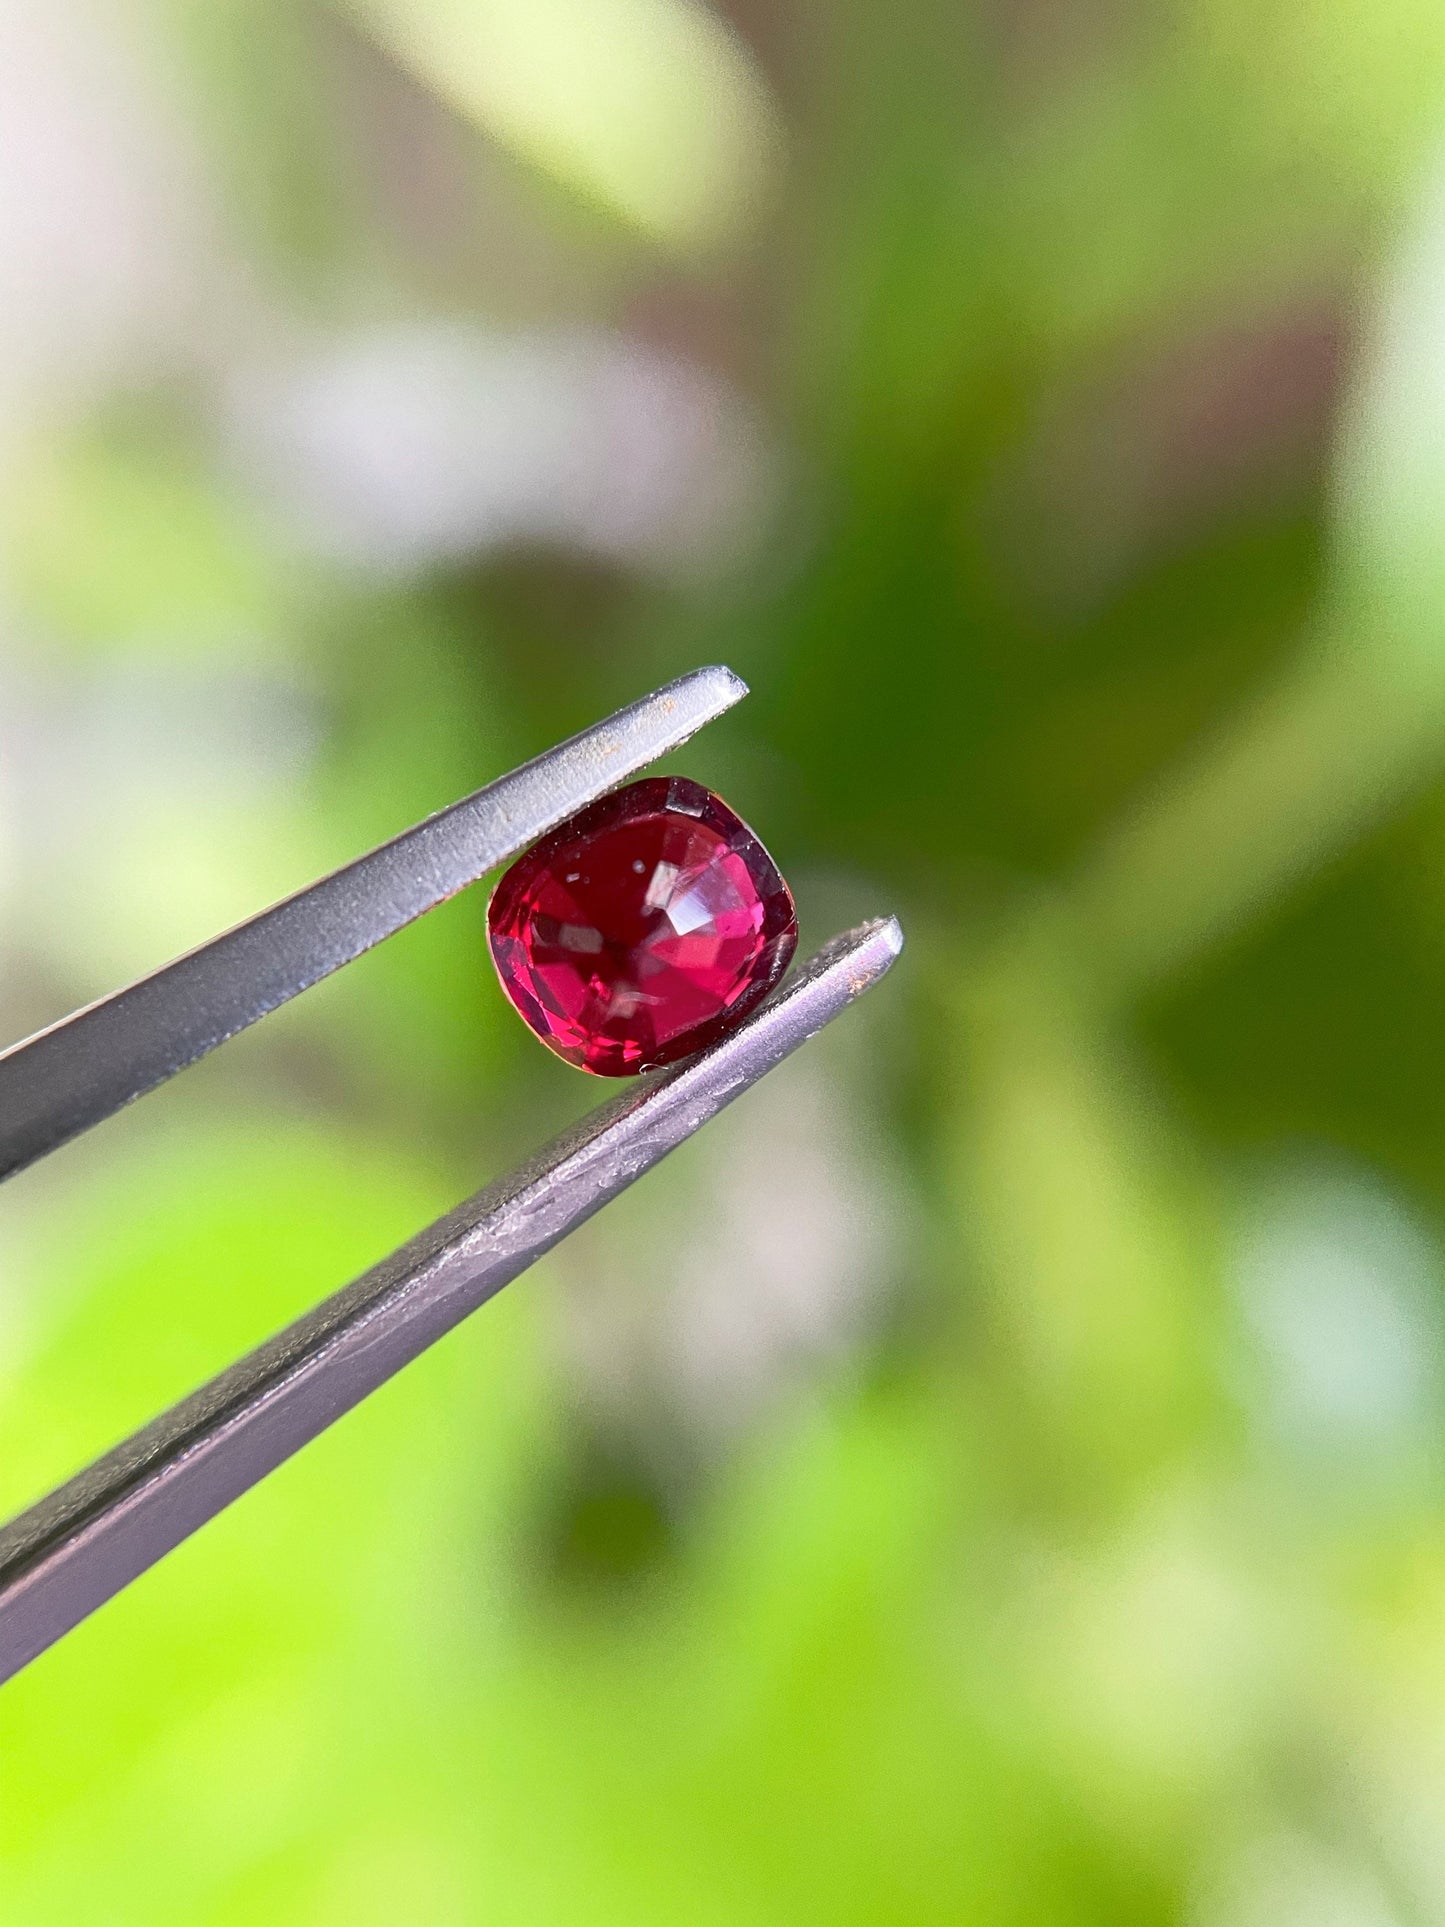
[[659, 887], [626, 999], [691, 911]]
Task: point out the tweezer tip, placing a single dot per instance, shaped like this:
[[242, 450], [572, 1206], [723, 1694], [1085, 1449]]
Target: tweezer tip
[[728, 687], [880, 940], [890, 933], [858, 957]]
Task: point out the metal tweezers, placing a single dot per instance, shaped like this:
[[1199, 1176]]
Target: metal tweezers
[[90, 1537]]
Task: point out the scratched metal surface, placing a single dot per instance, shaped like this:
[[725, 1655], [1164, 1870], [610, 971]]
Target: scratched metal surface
[[93, 1535], [65, 1079]]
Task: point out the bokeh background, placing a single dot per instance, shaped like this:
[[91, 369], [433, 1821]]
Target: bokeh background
[[996, 1473]]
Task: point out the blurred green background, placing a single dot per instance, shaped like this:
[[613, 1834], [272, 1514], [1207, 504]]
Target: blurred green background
[[996, 1473]]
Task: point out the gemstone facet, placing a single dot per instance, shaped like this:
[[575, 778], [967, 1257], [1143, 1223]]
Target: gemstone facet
[[641, 929]]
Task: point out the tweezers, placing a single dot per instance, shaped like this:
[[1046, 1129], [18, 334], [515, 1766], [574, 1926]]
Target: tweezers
[[76, 1548]]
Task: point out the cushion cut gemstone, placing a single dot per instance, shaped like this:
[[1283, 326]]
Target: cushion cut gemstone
[[642, 929]]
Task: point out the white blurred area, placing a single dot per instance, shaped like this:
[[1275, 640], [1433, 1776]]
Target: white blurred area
[[113, 262], [145, 806], [1290, 1880], [382, 446], [116, 273], [690, 1313], [420, 443], [1340, 1288]]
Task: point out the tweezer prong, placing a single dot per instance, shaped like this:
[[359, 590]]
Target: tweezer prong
[[93, 1535], [61, 1081]]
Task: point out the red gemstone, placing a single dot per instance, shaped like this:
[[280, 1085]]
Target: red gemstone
[[642, 929]]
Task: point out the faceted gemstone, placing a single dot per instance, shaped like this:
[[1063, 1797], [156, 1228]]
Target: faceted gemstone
[[642, 929]]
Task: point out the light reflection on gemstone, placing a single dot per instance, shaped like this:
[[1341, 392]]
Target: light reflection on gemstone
[[689, 912], [659, 887]]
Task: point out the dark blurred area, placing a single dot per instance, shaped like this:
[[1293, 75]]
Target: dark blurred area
[[994, 1473]]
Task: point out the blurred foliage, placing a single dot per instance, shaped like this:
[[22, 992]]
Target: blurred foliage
[[998, 1481]]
